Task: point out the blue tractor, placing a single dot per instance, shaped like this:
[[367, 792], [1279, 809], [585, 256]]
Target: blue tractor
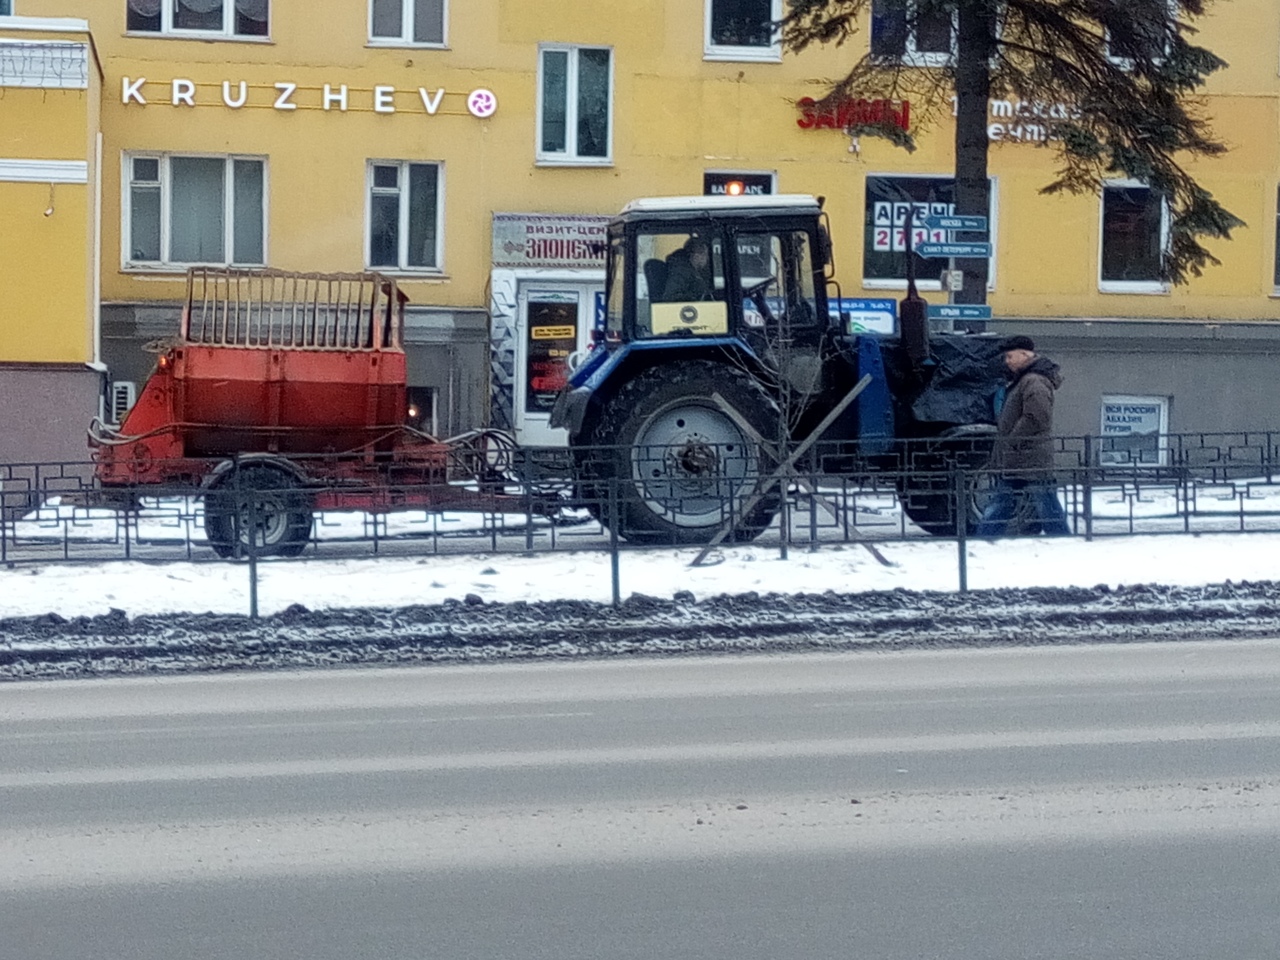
[[723, 348]]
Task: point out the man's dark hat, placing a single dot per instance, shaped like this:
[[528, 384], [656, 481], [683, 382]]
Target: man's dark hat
[[1018, 342]]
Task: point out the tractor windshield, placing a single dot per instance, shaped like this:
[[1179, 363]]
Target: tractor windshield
[[776, 271]]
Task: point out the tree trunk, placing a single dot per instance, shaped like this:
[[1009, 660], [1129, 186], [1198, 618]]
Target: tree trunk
[[974, 48]]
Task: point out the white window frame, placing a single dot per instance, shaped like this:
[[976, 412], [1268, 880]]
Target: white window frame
[[1144, 287], [402, 254], [715, 51], [164, 264], [1162, 437], [226, 33], [1126, 63], [915, 58], [570, 158], [926, 283], [406, 29]]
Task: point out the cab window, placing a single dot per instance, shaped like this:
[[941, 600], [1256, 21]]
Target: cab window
[[680, 284], [776, 272]]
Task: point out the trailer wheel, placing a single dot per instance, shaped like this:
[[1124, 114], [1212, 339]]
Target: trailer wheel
[[681, 463], [259, 501]]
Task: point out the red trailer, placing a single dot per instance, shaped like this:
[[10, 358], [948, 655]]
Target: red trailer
[[283, 394]]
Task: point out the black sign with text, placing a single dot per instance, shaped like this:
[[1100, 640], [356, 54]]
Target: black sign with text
[[737, 184]]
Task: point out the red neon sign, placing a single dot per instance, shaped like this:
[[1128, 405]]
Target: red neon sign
[[842, 114]]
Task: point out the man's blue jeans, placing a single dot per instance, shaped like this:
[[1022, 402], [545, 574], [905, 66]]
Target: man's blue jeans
[[1019, 505]]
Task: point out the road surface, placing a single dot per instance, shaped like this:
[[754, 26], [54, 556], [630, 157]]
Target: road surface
[[1114, 801]]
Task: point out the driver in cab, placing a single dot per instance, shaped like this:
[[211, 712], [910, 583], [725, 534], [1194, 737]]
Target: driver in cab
[[689, 273]]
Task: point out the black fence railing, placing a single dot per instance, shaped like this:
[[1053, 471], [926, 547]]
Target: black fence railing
[[632, 499]]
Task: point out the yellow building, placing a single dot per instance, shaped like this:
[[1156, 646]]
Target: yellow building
[[50, 101], [475, 147]]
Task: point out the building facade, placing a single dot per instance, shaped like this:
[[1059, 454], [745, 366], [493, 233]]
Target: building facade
[[475, 149]]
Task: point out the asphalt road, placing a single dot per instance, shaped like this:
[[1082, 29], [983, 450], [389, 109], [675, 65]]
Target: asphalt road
[[1118, 801]]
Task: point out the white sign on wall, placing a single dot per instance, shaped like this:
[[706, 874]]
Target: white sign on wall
[[1133, 431]]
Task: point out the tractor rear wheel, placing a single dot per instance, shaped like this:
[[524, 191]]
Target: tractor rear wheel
[[259, 505], [927, 486], [679, 460]]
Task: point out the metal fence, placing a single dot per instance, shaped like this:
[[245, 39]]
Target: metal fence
[[1180, 483]]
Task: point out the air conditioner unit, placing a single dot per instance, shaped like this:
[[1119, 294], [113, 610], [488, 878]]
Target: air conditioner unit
[[122, 396]]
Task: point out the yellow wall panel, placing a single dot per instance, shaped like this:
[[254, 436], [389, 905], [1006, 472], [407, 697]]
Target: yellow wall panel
[[43, 309]]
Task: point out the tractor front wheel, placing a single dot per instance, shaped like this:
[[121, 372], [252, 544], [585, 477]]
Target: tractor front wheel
[[679, 452]]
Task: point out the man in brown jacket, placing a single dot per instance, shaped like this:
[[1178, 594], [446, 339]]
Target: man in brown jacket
[[1025, 499]]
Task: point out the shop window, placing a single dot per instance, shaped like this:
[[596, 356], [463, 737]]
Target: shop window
[[913, 32], [889, 199], [404, 215], [1135, 231], [1135, 431], [421, 410], [407, 22], [194, 210], [743, 30], [1143, 30], [575, 115], [205, 18]]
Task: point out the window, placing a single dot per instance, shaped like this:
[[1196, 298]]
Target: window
[[421, 414], [1135, 230], [884, 257], [913, 32], [404, 215], [575, 122], [743, 30], [6, 8], [203, 18], [776, 274], [1141, 29], [1134, 431], [190, 209], [404, 22], [1277, 248], [680, 284]]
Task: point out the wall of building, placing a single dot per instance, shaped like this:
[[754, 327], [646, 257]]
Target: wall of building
[[51, 85], [676, 115]]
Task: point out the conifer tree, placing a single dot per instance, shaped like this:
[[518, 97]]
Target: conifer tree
[[1126, 71]]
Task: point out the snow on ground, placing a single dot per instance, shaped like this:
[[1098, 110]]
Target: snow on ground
[[147, 588]]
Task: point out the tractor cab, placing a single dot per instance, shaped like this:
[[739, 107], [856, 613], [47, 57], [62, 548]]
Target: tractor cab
[[707, 268]]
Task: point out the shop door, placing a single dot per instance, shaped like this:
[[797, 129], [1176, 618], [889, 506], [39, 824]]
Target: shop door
[[554, 323]]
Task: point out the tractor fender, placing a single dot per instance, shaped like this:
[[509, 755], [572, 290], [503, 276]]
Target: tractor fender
[[273, 460], [592, 384]]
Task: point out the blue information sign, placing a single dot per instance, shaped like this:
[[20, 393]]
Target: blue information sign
[[952, 222], [982, 250], [866, 314], [959, 311]]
